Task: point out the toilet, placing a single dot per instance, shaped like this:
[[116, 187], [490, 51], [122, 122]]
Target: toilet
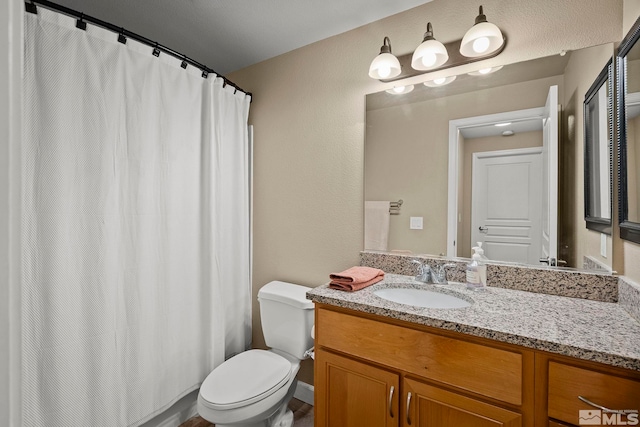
[[253, 388]]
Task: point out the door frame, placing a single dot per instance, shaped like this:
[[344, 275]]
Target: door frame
[[455, 128]]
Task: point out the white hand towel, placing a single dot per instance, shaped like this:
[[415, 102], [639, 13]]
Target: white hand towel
[[376, 225]]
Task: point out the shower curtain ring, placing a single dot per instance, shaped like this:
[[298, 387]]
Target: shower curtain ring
[[121, 38], [31, 7], [80, 23]]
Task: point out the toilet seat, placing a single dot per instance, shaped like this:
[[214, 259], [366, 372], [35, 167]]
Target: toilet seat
[[244, 379]]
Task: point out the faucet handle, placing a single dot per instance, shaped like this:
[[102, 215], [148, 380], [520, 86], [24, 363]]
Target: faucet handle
[[441, 272], [424, 271]]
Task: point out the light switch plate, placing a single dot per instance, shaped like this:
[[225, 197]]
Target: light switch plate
[[415, 223], [603, 245]]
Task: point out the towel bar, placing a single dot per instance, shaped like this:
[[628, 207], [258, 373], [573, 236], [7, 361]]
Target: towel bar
[[394, 207]]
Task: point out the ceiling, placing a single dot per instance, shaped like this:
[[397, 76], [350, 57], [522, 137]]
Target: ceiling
[[228, 35], [505, 129]]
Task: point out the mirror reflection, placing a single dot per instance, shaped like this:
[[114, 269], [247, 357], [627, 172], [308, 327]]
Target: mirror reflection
[[629, 116], [598, 148], [421, 147], [632, 102]]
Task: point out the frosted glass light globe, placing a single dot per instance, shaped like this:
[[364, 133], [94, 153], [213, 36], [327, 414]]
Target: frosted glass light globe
[[481, 44], [482, 39]]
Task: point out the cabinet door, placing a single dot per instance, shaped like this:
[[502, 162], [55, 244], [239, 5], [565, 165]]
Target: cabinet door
[[426, 405], [350, 393]]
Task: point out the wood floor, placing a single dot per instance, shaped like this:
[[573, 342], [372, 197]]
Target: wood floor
[[302, 416]]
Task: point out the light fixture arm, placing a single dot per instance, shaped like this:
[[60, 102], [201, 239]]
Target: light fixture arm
[[386, 45], [481, 17], [429, 34]]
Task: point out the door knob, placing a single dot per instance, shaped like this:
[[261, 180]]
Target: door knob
[[483, 229]]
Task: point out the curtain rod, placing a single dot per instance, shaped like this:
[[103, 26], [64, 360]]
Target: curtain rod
[[30, 7]]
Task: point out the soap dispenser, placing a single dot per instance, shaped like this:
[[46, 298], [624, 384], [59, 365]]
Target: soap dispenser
[[477, 270], [481, 252]]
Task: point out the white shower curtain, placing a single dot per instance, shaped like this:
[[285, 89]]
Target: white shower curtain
[[136, 275]]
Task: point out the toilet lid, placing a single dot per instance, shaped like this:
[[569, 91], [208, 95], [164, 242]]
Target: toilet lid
[[245, 378]]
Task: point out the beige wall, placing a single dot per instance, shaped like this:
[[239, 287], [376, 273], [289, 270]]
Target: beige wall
[[482, 145], [406, 156], [631, 12], [309, 112]]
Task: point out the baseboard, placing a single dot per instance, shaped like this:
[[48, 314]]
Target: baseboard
[[304, 392]]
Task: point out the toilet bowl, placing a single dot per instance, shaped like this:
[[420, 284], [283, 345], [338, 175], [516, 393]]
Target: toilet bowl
[[253, 388]]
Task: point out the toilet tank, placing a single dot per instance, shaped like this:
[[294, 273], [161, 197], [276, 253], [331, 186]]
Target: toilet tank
[[287, 317]]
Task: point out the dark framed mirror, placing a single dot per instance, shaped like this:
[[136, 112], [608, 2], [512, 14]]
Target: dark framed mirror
[[628, 88], [598, 151]]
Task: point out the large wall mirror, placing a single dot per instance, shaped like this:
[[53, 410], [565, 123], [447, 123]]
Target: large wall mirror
[[628, 78], [498, 121], [598, 151]]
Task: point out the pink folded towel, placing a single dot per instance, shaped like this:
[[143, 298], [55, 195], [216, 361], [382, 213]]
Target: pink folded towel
[[355, 278]]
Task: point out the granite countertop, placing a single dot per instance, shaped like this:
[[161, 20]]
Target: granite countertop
[[589, 330]]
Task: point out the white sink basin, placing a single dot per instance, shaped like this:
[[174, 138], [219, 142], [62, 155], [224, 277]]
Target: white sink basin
[[421, 298]]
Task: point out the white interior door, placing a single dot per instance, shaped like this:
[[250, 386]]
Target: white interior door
[[506, 198], [550, 179]]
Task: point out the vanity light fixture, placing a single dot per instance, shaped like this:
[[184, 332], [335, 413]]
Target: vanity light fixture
[[442, 81], [502, 124], [430, 54], [399, 90], [385, 65], [482, 39]]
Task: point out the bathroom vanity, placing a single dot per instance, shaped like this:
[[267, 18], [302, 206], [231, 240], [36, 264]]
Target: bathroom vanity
[[512, 358]]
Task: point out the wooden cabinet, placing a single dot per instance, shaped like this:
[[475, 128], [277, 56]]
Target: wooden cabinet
[[564, 385], [373, 372], [477, 368]]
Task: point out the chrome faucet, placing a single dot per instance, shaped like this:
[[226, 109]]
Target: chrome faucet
[[427, 274], [424, 271]]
